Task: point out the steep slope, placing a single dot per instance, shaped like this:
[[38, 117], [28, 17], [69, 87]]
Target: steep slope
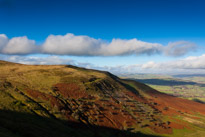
[[60, 100]]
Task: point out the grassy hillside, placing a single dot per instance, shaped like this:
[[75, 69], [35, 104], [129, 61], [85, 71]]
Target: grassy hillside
[[59, 100]]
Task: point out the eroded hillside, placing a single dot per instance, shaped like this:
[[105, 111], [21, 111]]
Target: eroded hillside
[[67, 100]]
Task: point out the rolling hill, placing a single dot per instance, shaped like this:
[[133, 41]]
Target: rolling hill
[[64, 100]]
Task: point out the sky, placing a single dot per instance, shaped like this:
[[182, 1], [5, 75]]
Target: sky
[[120, 36]]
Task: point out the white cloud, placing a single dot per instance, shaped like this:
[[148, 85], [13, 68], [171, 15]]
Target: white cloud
[[50, 60], [3, 41], [129, 47], [70, 44], [148, 65], [192, 62], [18, 45], [179, 48]]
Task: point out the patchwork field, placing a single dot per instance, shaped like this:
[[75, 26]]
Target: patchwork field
[[190, 87]]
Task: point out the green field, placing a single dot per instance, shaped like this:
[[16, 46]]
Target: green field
[[188, 86]]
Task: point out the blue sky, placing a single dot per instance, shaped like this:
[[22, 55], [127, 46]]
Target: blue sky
[[150, 21], [106, 19]]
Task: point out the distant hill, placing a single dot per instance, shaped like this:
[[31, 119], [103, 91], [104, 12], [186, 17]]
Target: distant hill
[[62, 101]]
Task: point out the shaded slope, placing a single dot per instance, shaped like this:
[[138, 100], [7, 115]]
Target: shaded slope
[[18, 124]]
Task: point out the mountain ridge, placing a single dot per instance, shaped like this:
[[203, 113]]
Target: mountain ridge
[[94, 99]]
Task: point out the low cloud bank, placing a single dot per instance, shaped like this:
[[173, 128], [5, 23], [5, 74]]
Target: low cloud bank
[[192, 62], [34, 60], [188, 65]]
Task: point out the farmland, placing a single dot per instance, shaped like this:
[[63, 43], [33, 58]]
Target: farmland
[[190, 87]]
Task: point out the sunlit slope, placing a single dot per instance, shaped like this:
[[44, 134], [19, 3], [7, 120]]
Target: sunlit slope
[[66, 100]]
